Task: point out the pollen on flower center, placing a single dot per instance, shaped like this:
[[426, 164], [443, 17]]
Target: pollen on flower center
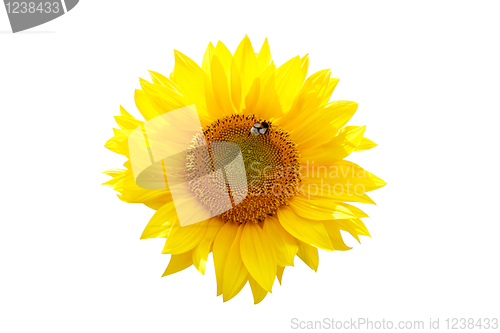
[[271, 165]]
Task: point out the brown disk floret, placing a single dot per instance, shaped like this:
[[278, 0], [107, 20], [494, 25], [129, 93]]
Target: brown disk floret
[[271, 168]]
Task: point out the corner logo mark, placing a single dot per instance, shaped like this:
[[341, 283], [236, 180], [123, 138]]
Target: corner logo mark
[[31, 13]]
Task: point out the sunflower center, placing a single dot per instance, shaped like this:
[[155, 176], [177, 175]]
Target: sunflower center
[[271, 167]]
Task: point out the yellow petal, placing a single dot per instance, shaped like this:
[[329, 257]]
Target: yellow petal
[[258, 292], [114, 172], [360, 227], [308, 99], [214, 111], [335, 236], [247, 64], [190, 80], [119, 143], [334, 191], [235, 85], [161, 223], [163, 98], [111, 182], [128, 122], [183, 239], [268, 106], [157, 203], [353, 226], [222, 245], [365, 144], [162, 80], [264, 56], [201, 251], [207, 58], [235, 273], [304, 66], [122, 133], [319, 208], [112, 145], [358, 213], [289, 78], [252, 97], [308, 231], [309, 255], [285, 245], [346, 226], [130, 192], [224, 56], [322, 124], [332, 83], [336, 149], [341, 178], [258, 255], [164, 95], [220, 87], [117, 174], [178, 262], [124, 112], [279, 273], [144, 105], [267, 75]]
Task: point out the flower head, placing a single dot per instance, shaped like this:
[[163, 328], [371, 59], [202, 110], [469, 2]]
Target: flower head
[[290, 141]]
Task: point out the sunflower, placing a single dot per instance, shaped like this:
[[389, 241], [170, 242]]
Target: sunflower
[[292, 143]]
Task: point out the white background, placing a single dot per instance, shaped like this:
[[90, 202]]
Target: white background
[[427, 77]]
